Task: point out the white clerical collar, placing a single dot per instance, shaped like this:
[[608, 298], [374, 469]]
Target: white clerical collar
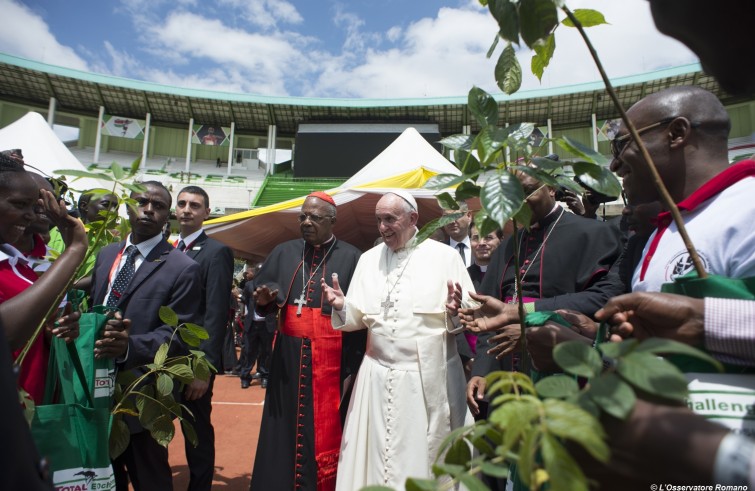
[[146, 246], [191, 238], [483, 267], [410, 244]]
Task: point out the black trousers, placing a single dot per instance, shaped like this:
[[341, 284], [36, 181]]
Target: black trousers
[[201, 459], [257, 347], [144, 463]]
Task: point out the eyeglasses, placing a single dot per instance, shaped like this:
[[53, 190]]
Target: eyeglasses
[[312, 218], [620, 143]]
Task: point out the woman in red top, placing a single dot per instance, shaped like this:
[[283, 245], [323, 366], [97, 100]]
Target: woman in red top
[[25, 300]]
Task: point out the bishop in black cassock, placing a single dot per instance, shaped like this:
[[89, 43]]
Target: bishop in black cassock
[[561, 257], [300, 433]]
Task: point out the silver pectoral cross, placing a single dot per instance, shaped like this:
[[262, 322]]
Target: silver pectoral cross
[[386, 304], [301, 301]]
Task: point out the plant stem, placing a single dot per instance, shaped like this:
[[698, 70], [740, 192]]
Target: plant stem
[[524, 361], [665, 196]]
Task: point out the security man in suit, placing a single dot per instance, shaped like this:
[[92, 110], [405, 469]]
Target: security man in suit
[[216, 266], [138, 276]]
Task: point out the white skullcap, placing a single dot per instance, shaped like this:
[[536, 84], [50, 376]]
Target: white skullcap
[[406, 196]]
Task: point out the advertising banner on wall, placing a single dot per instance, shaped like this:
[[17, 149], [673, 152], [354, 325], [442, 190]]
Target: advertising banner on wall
[[607, 129], [207, 134], [123, 127]]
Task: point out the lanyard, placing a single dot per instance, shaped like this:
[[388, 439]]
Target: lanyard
[[115, 265]]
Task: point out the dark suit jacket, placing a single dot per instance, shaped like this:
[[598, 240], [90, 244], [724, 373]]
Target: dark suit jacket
[[247, 296], [216, 269], [167, 277]]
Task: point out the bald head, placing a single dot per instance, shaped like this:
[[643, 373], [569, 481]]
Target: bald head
[[685, 131]]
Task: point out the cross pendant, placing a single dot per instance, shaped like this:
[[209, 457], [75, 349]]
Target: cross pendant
[[301, 301], [386, 304]]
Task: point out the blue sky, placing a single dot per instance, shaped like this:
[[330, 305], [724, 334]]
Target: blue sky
[[317, 48]]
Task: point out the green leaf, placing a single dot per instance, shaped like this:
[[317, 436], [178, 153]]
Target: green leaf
[[661, 346], [484, 223], [492, 47], [582, 151], [524, 215], [527, 454], [162, 430], [483, 107], [201, 369], [198, 353], [542, 57], [446, 201], [537, 174], [443, 181], [578, 358], [117, 171], [189, 337], [120, 436], [586, 17], [416, 484], [466, 162], [168, 316], [134, 188], [557, 386], [563, 471], [520, 132], [547, 165], [504, 12], [472, 483], [653, 375], [537, 19], [500, 471], [612, 394], [135, 166], [570, 184], [198, 330], [466, 190], [83, 173], [440, 469], [571, 422], [181, 372], [164, 383], [598, 178], [508, 71], [458, 142], [161, 355], [501, 197], [459, 453], [149, 410], [616, 350], [189, 433]]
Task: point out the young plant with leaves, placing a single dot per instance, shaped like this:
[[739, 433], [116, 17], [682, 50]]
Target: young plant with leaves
[[150, 396], [534, 427]]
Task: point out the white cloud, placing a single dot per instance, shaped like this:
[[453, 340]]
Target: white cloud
[[265, 13], [444, 55], [241, 47], [26, 34]]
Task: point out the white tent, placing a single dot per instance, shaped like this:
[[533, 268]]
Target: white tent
[[43, 149], [406, 163]]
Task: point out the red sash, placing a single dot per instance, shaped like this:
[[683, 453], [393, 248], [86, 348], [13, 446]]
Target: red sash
[[326, 382]]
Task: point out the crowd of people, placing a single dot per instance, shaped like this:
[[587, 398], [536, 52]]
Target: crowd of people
[[378, 356]]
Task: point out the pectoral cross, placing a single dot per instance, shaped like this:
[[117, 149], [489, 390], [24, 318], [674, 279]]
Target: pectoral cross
[[301, 301], [386, 304]]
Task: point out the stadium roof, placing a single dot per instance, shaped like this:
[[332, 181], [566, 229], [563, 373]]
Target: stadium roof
[[33, 83]]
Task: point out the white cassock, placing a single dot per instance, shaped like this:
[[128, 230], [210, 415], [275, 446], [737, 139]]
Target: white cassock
[[410, 390]]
